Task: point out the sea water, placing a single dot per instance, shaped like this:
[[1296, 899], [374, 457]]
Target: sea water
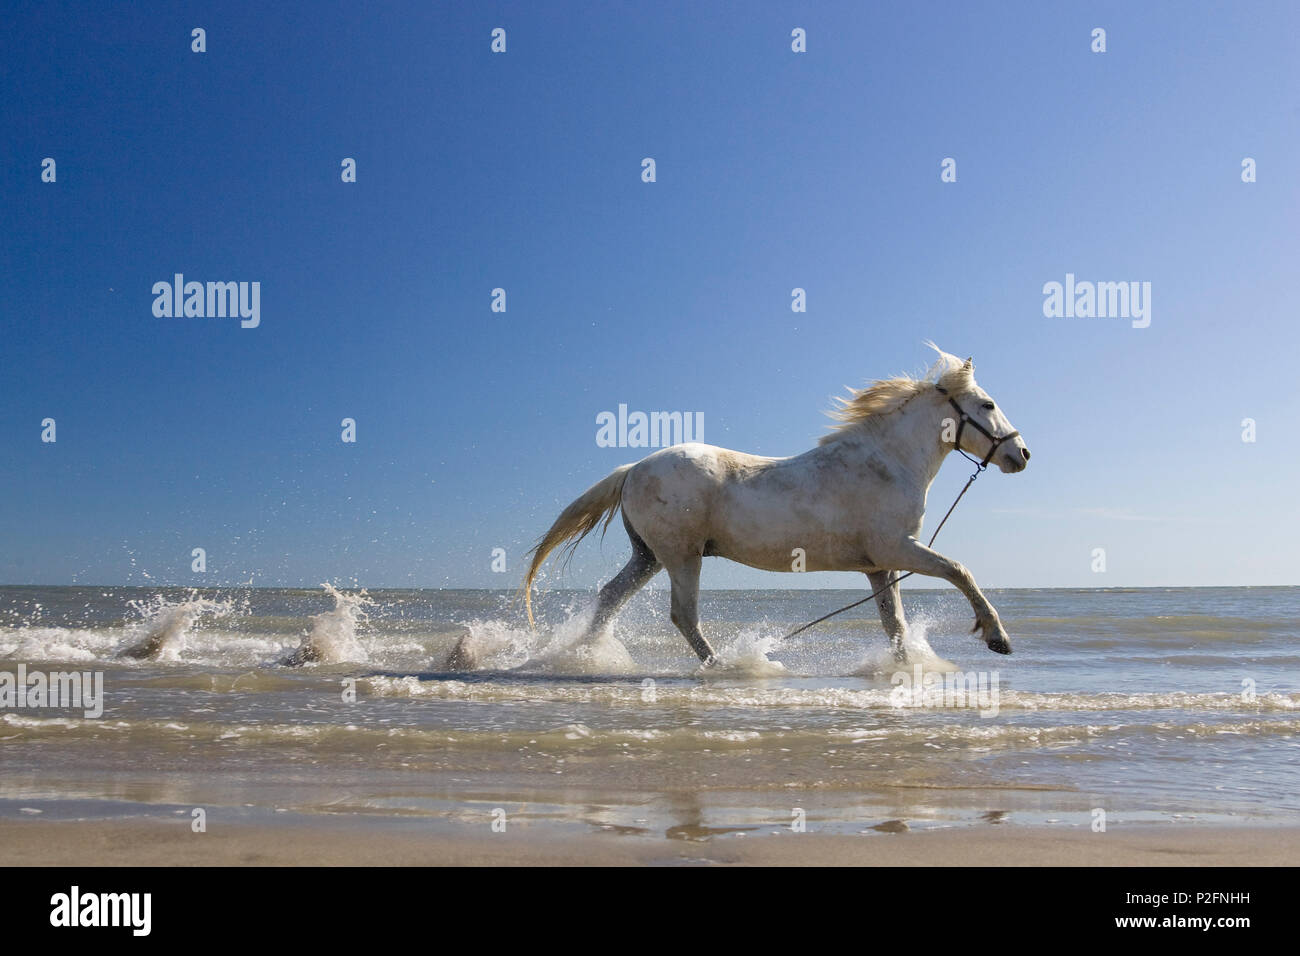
[[1146, 704]]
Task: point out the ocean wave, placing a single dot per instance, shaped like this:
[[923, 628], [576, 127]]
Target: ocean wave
[[759, 697], [578, 736]]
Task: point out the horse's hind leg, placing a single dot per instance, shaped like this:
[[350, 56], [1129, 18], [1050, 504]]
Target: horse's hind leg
[[686, 606], [642, 566], [889, 602]]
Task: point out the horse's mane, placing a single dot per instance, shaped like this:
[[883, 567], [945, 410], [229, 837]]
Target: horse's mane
[[889, 394]]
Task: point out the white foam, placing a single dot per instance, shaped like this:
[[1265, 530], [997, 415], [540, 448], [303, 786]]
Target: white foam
[[795, 694], [746, 655], [55, 644], [332, 638], [880, 659], [167, 623], [603, 654], [565, 649]]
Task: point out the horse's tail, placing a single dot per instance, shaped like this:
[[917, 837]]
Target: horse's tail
[[575, 522]]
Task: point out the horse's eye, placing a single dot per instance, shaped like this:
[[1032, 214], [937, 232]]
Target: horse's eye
[[989, 406]]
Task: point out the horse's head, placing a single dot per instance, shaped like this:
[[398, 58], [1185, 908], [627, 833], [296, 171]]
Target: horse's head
[[974, 422]]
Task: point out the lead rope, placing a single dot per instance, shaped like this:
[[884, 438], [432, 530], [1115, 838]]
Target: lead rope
[[894, 580]]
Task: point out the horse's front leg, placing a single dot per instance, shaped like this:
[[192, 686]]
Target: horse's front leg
[[914, 556], [889, 603]]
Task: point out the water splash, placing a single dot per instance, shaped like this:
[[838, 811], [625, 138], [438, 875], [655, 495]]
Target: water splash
[[489, 645], [568, 648], [880, 660], [603, 654], [746, 655], [332, 638], [166, 624]]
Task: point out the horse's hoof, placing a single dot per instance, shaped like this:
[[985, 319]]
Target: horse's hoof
[[1000, 646]]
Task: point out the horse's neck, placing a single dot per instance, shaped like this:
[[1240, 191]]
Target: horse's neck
[[910, 437]]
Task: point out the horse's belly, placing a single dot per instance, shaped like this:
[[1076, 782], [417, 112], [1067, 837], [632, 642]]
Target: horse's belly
[[795, 550]]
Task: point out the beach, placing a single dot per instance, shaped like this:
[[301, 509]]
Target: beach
[[297, 842], [1143, 727]]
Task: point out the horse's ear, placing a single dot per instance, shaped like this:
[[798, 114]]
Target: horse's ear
[[970, 365]]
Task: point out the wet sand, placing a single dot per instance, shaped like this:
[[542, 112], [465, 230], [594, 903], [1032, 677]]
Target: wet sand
[[335, 842]]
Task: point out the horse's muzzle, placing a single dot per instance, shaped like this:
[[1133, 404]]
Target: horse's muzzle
[[1016, 460]]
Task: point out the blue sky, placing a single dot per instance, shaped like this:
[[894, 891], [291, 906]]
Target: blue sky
[[522, 170]]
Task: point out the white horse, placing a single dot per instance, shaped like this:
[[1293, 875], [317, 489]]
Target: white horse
[[853, 503]]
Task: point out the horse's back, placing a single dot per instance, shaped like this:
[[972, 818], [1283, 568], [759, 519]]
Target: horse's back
[[708, 465], [677, 491]]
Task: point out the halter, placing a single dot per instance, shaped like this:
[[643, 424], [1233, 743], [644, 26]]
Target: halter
[[967, 420]]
